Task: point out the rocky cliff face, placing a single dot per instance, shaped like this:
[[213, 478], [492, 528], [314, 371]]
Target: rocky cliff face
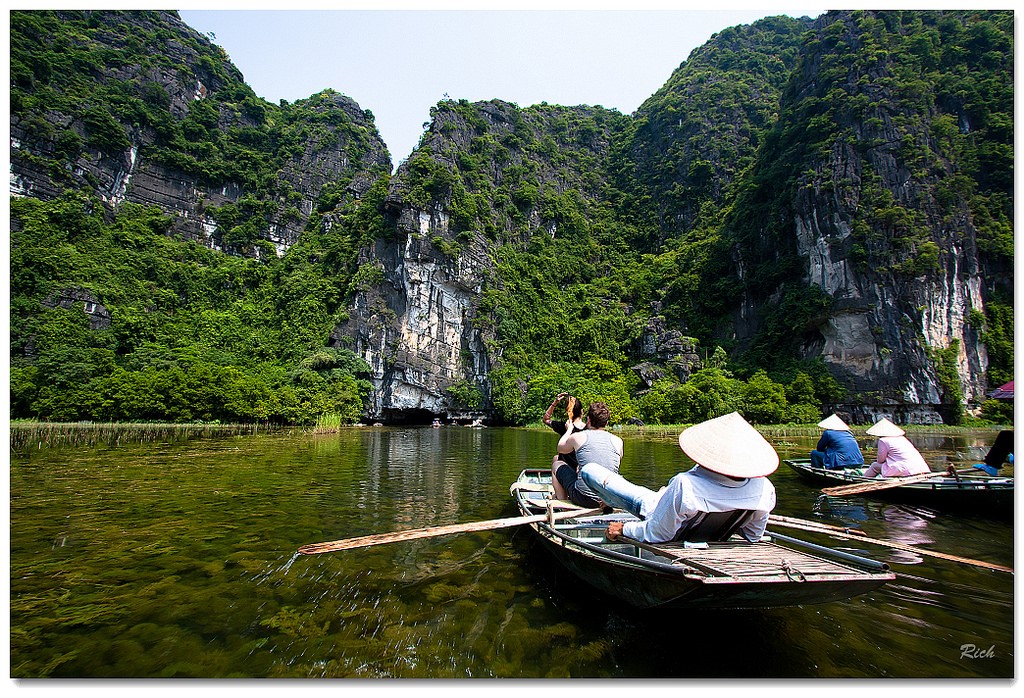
[[475, 183], [879, 336], [179, 130], [415, 330], [873, 221]]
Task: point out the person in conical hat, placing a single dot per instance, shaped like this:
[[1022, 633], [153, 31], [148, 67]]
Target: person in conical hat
[[897, 457], [837, 448], [726, 491], [883, 427], [834, 423]]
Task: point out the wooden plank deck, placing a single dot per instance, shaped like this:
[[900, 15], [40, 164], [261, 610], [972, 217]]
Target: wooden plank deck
[[741, 560]]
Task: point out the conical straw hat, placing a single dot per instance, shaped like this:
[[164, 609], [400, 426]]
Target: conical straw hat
[[883, 427], [834, 422], [730, 446]]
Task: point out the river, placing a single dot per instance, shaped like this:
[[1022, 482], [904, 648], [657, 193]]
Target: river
[[178, 560]]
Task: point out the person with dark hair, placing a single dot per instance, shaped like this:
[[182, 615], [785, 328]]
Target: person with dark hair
[[573, 423], [592, 445]]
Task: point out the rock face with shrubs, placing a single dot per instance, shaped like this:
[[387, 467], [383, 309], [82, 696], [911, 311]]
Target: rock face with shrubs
[[809, 213]]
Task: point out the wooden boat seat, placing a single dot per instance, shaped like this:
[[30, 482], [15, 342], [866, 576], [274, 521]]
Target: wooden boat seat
[[713, 526]]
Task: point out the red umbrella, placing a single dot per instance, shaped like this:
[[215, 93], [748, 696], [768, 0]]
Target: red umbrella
[[1003, 392]]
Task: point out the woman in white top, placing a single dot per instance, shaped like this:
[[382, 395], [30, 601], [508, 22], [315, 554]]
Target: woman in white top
[[897, 457]]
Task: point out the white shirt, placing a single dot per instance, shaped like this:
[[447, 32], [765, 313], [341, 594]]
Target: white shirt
[[702, 490]]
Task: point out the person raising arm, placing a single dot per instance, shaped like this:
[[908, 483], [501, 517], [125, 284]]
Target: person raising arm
[[593, 445]]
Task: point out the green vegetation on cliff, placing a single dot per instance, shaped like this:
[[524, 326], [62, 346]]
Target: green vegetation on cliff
[[653, 261], [90, 92], [193, 334], [116, 316], [895, 123]]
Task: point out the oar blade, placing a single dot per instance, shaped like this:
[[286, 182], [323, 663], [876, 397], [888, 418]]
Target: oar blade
[[882, 484]]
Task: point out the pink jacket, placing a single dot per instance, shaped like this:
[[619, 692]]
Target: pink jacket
[[898, 458]]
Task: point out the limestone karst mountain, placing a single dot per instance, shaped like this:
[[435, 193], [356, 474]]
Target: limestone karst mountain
[[830, 199]]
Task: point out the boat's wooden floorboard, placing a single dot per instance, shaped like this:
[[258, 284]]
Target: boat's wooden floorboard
[[741, 559]]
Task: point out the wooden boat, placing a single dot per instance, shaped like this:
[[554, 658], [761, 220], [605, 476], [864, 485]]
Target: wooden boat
[[983, 495], [776, 571]]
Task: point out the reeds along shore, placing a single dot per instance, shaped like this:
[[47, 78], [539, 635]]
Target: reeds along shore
[[330, 423], [35, 435], [26, 435]]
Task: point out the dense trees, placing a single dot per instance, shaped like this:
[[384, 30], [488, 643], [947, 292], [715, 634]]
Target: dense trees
[[198, 335], [598, 224], [193, 334]]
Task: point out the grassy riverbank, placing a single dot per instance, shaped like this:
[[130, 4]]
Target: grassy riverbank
[[27, 435]]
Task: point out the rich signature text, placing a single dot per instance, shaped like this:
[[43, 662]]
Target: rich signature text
[[971, 651]]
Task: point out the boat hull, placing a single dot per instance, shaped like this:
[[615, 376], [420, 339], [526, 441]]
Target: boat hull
[[982, 496], [727, 575], [651, 589]]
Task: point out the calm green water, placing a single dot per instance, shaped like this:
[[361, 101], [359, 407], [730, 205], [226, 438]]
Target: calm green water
[[178, 561]]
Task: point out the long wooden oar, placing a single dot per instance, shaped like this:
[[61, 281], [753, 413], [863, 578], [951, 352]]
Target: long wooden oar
[[886, 483], [434, 531], [826, 528], [817, 528]]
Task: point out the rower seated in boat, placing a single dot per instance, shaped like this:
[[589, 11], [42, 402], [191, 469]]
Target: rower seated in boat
[[727, 491], [1001, 452], [837, 448], [897, 457]]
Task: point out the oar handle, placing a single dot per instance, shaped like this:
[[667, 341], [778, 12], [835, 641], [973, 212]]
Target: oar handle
[[897, 546]]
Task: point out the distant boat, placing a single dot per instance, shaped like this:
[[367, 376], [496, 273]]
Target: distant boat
[[727, 574], [986, 496]]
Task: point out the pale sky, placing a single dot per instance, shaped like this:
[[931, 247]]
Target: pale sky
[[398, 63]]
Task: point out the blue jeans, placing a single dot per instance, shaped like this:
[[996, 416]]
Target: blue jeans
[[617, 491]]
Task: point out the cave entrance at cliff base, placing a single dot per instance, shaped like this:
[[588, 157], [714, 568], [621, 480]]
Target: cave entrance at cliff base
[[409, 417]]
